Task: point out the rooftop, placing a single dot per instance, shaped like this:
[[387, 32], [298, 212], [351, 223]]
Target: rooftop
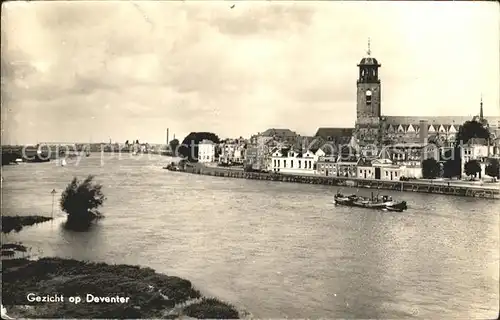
[[327, 133], [205, 141], [278, 132], [369, 61]]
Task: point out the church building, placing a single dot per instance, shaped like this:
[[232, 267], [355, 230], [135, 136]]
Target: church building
[[372, 127]]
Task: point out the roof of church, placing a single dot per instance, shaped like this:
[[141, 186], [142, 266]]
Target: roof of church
[[438, 120], [334, 132]]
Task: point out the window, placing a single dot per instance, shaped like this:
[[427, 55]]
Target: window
[[299, 164], [386, 173], [284, 163], [291, 163], [275, 162], [279, 164], [395, 173]]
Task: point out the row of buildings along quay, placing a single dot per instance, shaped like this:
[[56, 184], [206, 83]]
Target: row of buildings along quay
[[379, 146]]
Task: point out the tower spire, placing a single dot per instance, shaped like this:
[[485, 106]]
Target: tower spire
[[369, 50], [481, 108]]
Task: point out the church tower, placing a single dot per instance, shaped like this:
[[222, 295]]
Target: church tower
[[368, 87], [368, 128]]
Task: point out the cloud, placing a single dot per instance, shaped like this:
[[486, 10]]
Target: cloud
[[136, 68], [271, 18]]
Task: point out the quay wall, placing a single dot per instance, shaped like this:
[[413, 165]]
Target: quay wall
[[409, 186]]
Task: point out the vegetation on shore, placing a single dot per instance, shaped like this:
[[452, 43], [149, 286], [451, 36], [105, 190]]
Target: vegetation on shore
[[469, 130], [189, 147], [492, 169], [430, 168], [16, 223], [80, 200], [472, 168], [152, 295]]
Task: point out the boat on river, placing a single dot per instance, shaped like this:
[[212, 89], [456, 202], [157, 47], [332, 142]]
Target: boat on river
[[384, 202]]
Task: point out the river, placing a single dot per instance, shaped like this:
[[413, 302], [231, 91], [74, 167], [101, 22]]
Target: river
[[276, 249]]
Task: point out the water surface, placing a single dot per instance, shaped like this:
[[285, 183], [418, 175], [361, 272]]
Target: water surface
[[276, 249]]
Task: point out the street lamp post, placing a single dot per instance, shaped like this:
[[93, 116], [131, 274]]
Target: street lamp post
[[53, 200]]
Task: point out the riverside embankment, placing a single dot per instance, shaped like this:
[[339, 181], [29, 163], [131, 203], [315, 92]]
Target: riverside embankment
[[409, 186], [67, 288]]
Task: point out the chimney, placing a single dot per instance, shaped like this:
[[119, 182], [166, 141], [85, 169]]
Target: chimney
[[424, 131], [424, 135], [167, 137]]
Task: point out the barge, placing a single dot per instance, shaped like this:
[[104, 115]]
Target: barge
[[385, 203]]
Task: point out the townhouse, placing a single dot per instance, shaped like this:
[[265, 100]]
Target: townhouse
[[476, 149], [206, 151], [232, 151], [290, 160]]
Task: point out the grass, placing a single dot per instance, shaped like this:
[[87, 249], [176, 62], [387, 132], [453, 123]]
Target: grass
[[211, 308], [152, 295]]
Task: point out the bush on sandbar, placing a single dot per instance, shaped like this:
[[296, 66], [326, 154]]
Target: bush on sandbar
[[80, 200]]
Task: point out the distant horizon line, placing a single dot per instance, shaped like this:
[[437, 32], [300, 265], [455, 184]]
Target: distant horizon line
[[270, 127]]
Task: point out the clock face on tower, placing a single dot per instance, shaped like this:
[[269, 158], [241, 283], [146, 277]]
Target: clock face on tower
[[368, 93]]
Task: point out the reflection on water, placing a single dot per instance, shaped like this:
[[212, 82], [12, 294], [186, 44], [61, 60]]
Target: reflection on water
[[277, 249]]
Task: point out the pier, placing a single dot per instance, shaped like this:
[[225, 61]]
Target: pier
[[408, 186]]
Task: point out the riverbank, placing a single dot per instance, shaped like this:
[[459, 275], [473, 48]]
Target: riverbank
[[132, 291], [16, 223], [122, 291], [410, 186]]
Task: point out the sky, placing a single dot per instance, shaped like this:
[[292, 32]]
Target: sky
[[95, 71]]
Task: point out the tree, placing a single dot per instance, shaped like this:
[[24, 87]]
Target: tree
[[472, 129], [430, 168], [80, 200], [472, 168], [452, 166], [492, 169], [189, 146], [173, 145]]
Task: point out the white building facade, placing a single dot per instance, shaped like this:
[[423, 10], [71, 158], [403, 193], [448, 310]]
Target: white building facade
[[384, 169], [232, 152], [366, 172], [206, 151], [295, 162]]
